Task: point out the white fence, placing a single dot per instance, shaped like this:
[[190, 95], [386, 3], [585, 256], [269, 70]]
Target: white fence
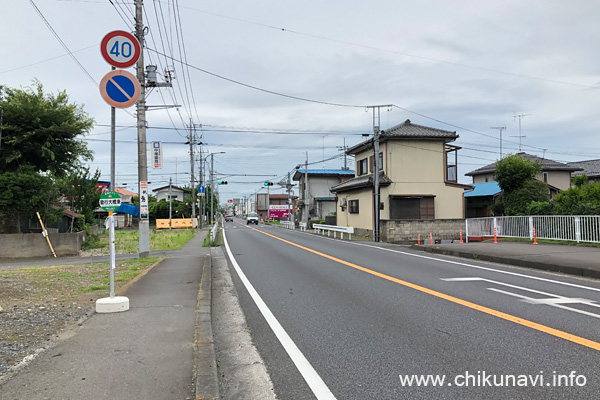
[[213, 232], [287, 225], [333, 228], [576, 228]]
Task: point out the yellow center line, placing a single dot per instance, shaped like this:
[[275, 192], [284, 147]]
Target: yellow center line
[[508, 317]]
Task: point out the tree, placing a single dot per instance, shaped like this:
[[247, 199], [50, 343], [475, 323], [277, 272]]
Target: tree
[[40, 130], [513, 171], [82, 194], [515, 176], [24, 193]]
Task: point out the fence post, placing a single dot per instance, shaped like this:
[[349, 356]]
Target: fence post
[[495, 225], [467, 230], [530, 228], [577, 229]]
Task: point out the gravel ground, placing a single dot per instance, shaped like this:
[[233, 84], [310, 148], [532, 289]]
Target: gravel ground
[[39, 305]]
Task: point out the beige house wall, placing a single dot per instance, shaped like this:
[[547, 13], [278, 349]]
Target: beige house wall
[[415, 168], [364, 218], [484, 178], [559, 179]]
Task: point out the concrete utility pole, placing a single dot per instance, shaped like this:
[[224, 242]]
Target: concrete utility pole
[[306, 191], [500, 128], [288, 186], [170, 202], [192, 173], [144, 227], [211, 186]]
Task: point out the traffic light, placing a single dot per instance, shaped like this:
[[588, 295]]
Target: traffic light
[[268, 183], [222, 182]]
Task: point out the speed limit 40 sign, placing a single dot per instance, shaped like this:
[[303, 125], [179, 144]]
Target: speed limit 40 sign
[[120, 49]]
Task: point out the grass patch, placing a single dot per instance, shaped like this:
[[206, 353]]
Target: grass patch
[[210, 243], [127, 242]]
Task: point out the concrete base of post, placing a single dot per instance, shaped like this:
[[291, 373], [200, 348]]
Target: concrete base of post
[[112, 305]]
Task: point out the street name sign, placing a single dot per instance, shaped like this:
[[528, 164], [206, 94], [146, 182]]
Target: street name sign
[[110, 201], [157, 157], [120, 88], [120, 49]]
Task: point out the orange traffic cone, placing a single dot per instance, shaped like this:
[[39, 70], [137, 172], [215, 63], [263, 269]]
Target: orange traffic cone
[[461, 235], [495, 235], [534, 236], [430, 238], [419, 240]]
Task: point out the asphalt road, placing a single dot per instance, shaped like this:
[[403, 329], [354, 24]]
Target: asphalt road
[[359, 321]]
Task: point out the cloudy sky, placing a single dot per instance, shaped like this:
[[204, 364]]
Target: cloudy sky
[[268, 81]]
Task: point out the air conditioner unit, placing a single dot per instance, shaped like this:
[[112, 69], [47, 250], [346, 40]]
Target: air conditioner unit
[[342, 202]]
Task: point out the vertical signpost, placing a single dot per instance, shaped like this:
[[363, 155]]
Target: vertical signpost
[[119, 89]]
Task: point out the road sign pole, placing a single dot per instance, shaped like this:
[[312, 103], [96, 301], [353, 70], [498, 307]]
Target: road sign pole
[[111, 238]]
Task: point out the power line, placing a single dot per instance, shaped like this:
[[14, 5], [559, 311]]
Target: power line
[[62, 43]]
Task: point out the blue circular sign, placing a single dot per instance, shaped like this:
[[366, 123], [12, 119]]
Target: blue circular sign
[[120, 88]]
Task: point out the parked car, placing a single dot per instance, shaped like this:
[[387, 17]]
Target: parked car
[[228, 218], [252, 218]]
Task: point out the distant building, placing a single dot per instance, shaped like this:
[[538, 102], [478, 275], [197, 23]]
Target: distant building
[[177, 193], [556, 174], [321, 200], [481, 199], [591, 168]]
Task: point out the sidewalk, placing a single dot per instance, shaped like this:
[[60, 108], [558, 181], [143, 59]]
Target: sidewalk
[[574, 260], [147, 352]]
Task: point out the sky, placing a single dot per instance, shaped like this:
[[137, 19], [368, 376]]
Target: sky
[[270, 83]]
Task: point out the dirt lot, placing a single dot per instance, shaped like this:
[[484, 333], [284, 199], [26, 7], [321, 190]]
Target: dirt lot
[[38, 304]]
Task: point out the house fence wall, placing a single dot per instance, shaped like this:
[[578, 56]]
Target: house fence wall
[[401, 231], [27, 245]]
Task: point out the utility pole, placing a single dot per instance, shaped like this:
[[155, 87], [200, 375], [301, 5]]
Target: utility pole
[[306, 191], [170, 202], [144, 227], [288, 186], [211, 186], [376, 130], [500, 128], [520, 116], [192, 173]]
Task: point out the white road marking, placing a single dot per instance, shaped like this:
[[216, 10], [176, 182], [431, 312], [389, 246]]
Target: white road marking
[[312, 378], [554, 300]]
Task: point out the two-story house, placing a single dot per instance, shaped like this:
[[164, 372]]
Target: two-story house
[[556, 174], [177, 193], [417, 175], [591, 168], [321, 201]]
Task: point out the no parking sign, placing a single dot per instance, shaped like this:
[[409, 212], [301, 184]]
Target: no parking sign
[[120, 88]]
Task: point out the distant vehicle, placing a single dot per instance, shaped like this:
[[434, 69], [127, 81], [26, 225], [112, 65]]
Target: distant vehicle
[[228, 218], [252, 218]]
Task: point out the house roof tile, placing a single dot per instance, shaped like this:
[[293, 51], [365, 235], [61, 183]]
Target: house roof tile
[[407, 130], [360, 182], [589, 167], [547, 165]]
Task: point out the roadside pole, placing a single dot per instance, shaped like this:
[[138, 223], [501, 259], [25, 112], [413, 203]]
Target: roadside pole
[[111, 239]]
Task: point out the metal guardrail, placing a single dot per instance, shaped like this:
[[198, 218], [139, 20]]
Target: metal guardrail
[[334, 228], [302, 226], [576, 228], [213, 231], [288, 225]]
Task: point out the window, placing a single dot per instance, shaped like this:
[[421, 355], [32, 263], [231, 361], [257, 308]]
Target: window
[[362, 167], [353, 206], [421, 207], [371, 166], [546, 177]]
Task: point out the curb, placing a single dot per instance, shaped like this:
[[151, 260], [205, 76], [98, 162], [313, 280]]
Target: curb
[[205, 361], [565, 269]]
